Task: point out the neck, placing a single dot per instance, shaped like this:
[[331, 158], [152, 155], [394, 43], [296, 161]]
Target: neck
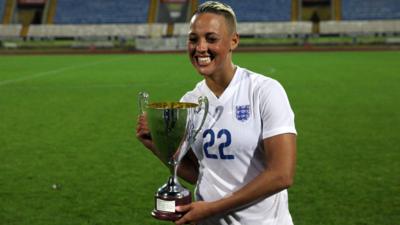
[[219, 82]]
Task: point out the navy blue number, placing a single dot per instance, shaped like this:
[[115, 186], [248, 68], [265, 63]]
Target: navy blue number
[[225, 144], [211, 142]]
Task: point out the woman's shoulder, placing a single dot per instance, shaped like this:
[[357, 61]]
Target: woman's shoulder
[[193, 95], [260, 81]]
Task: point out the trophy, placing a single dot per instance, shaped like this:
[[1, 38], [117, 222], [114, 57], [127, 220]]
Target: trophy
[[173, 130]]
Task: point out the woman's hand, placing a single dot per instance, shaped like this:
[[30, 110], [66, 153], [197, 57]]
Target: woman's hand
[[143, 132], [194, 212]]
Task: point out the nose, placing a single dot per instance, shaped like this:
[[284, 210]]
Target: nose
[[201, 46]]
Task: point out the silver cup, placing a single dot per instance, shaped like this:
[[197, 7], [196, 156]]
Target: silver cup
[[173, 130]]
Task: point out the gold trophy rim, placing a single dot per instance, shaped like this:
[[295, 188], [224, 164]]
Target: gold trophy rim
[[172, 105]]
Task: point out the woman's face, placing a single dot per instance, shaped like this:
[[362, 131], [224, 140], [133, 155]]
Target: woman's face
[[210, 43]]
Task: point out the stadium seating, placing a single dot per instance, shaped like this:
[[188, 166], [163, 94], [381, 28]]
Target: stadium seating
[[2, 3], [135, 11], [265, 29], [260, 29], [370, 9], [360, 27], [97, 30], [128, 19], [101, 11], [181, 29], [261, 10], [11, 31]]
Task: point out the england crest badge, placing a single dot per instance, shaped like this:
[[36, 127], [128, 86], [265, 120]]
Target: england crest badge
[[242, 112]]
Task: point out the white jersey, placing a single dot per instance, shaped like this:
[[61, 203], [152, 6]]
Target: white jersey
[[229, 146]]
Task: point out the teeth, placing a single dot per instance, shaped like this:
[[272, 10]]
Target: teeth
[[204, 60]]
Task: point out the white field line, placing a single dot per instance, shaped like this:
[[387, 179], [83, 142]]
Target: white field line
[[51, 72]]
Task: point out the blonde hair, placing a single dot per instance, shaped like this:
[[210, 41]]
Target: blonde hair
[[220, 9]]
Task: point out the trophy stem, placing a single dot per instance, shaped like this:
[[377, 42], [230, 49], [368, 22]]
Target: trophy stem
[[173, 182], [175, 174]]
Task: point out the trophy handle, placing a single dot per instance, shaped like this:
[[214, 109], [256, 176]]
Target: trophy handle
[[203, 100], [191, 132], [143, 100]]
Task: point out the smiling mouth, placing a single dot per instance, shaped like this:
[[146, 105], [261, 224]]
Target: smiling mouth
[[204, 60]]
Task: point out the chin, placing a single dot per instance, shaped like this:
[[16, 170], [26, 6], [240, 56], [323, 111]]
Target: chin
[[204, 71]]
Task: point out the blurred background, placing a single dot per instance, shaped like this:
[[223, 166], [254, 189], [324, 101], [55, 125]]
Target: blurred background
[[161, 25]]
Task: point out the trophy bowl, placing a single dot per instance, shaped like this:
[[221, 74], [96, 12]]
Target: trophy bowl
[[172, 129]]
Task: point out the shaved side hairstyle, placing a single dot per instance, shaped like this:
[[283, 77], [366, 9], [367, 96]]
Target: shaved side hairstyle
[[220, 9]]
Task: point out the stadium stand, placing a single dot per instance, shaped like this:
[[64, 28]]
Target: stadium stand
[[260, 10], [370, 9], [128, 19], [367, 27], [268, 29], [365, 17], [10, 31], [96, 31], [101, 12], [2, 3], [260, 29], [181, 29], [135, 11]]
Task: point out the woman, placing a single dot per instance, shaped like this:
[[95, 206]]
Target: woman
[[244, 159]]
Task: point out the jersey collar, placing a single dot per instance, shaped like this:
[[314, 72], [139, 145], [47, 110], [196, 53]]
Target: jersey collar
[[228, 92]]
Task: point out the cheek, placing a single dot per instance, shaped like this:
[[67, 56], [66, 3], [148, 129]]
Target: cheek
[[221, 48], [191, 58], [220, 51], [191, 49]]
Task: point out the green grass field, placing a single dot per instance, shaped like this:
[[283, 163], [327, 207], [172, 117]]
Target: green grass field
[[69, 121]]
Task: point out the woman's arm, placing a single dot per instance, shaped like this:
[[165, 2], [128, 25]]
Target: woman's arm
[[280, 158], [189, 168]]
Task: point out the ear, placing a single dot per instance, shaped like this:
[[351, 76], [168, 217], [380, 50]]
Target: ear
[[234, 41]]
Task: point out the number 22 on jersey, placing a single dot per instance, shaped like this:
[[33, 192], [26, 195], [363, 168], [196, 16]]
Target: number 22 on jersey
[[221, 134]]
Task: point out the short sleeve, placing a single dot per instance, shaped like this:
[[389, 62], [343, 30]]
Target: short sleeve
[[188, 97], [276, 114], [191, 96]]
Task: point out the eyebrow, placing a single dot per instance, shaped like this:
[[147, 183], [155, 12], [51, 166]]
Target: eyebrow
[[208, 33]]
